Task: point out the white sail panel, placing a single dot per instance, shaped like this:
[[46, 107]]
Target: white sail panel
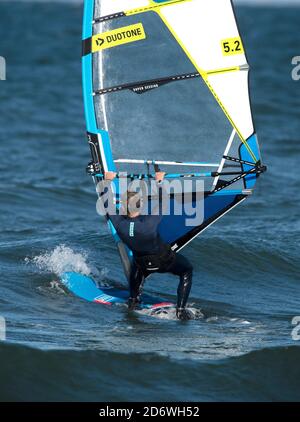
[[232, 89], [201, 27], [108, 7]]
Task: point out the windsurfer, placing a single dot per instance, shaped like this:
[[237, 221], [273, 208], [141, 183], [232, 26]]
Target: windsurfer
[[150, 254]]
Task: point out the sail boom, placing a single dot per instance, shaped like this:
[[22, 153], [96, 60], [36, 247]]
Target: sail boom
[[165, 163]]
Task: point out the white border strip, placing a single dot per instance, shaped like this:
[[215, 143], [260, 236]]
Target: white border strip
[[166, 163], [222, 215], [229, 143]]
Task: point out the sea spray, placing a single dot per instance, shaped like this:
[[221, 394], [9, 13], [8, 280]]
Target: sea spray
[[63, 259]]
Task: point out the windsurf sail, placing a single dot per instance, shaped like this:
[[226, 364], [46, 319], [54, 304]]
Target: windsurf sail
[[164, 79]]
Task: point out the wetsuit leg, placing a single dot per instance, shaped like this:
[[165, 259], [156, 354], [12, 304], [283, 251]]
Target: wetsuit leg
[[184, 269], [136, 281]]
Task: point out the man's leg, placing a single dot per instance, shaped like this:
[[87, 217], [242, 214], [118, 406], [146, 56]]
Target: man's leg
[[184, 270], [136, 282]]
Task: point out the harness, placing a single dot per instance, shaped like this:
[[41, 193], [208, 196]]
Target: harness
[[156, 262]]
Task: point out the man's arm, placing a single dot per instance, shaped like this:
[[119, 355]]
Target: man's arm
[[159, 177], [106, 203], [109, 176], [155, 210]]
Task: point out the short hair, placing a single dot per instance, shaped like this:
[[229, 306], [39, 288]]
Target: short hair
[[130, 205]]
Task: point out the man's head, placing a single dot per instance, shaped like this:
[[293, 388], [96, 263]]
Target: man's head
[[133, 203]]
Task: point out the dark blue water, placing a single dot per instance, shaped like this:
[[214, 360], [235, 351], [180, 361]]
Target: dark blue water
[[246, 266]]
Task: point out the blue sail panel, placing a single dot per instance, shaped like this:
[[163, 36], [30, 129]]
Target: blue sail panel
[[174, 230]]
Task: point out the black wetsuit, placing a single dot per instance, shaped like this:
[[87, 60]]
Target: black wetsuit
[[151, 254]]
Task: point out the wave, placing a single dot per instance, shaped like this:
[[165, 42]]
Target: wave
[[28, 374], [256, 3], [266, 255]]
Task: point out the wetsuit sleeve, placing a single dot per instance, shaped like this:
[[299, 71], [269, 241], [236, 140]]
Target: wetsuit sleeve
[[107, 202], [104, 188], [152, 221], [115, 219]]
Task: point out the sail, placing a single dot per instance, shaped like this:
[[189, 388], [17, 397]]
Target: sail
[[164, 79]]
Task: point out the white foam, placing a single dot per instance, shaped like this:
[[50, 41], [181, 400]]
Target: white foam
[[62, 259], [170, 313]]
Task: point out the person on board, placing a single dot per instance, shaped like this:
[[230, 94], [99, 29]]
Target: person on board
[[150, 254]]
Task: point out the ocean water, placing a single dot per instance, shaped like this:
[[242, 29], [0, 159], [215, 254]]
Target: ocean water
[[247, 267]]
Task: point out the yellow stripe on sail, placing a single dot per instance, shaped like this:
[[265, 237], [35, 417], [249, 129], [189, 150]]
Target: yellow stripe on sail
[[153, 7], [225, 70]]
